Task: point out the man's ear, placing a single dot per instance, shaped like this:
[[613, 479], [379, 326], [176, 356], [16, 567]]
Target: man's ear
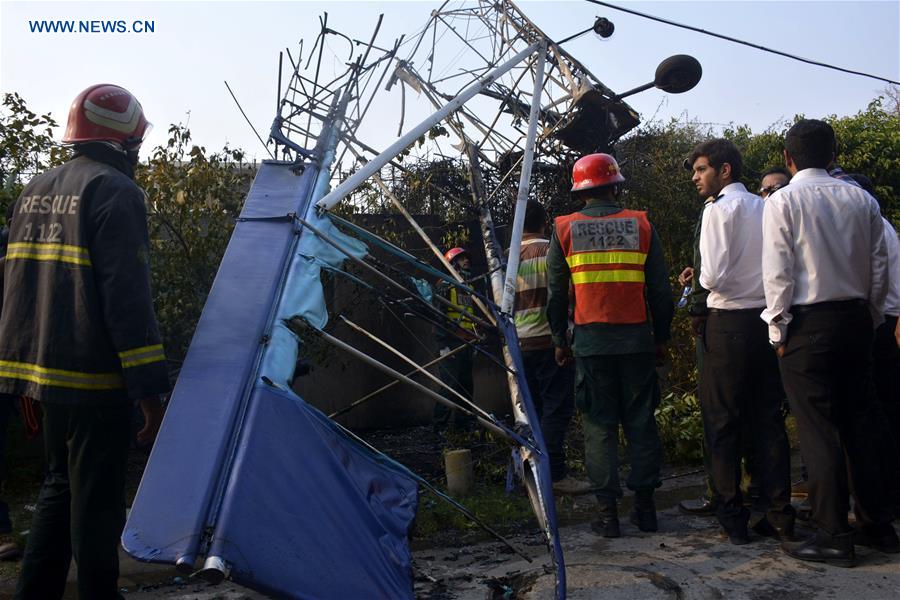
[[725, 171], [789, 162]]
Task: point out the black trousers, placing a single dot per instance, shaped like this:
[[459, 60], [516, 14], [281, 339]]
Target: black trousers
[[741, 396], [7, 407], [81, 508], [553, 392], [827, 374], [886, 364]]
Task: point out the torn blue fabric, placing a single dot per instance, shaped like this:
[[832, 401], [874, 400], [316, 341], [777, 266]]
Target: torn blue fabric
[[248, 473]]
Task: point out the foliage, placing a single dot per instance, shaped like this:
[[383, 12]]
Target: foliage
[[680, 427], [869, 143], [193, 198], [504, 512], [26, 148]]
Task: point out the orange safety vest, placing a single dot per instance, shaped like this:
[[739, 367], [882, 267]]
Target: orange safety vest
[[606, 257]]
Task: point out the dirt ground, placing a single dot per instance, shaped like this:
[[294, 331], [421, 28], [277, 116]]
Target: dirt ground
[[687, 559]]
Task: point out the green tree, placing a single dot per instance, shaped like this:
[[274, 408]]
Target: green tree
[[193, 198], [869, 143], [27, 147]]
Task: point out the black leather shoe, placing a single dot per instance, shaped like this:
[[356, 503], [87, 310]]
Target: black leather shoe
[[702, 506], [834, 550], [882, 538]]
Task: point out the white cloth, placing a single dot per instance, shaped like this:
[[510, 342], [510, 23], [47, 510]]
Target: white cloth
[[823, 241], [892, 303], [731, 250]]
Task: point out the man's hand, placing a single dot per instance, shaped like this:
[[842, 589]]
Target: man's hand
[[153, 415], [780, 351], [697, 325], [563, 356], [686, 276]]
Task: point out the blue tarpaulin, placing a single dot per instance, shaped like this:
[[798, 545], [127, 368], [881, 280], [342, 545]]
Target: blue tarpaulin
[[245, 471]]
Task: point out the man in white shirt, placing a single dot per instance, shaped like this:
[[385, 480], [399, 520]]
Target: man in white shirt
[[886, 358], [740, 390], [824, 273]]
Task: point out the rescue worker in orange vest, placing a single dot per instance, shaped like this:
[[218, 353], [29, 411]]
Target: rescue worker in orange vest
[[623, 312], [455, 370]]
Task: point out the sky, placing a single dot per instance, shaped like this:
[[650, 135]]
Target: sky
[[178, 70]]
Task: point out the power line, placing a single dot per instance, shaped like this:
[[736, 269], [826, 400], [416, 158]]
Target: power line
[[737, 41]]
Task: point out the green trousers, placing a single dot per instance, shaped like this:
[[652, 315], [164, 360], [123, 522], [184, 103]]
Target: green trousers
[[613, 390], [81, 508]]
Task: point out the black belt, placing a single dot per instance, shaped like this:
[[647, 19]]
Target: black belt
[[737, 310], [831, 305]]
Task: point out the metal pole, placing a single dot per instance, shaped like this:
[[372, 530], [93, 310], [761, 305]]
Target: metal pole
[[343, 250], [418, 229], [430, 487], [401, 144], [467, 401], [515, 242], [418, 386], [388, 386]]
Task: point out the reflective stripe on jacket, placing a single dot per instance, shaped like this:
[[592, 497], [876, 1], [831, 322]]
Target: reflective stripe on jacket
[[606, 257]]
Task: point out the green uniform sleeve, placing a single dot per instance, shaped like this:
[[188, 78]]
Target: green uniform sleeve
[[659, 293], [558, 292], [120, 255]]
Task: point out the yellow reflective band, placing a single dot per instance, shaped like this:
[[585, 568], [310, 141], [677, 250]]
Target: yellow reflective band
[[606, 258], [142, 356], [60, 377], [49, 251], [616, 276]]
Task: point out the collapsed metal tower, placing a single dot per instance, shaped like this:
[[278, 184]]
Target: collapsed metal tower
[[512, 98]]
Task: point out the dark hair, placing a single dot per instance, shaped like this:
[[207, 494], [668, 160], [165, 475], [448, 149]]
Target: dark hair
[[718, 152], [535, 217], [864, 182], [810, 143], [774, 170]]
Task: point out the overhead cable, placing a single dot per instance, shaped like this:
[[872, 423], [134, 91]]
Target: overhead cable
[[737, 41]]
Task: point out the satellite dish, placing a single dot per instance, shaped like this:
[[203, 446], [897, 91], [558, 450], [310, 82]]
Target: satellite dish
[[678, 74]]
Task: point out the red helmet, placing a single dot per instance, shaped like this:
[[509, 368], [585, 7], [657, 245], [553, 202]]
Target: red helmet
[[595, 170], [106, 113], [454, 253]]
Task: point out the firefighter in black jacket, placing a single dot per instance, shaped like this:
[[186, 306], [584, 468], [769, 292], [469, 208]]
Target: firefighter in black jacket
[[79, 335]]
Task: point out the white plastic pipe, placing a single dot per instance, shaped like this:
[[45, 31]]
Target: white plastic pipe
[[515, 242]]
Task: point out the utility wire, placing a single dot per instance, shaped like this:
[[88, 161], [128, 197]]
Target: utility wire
[[246, 118], [737, 41]]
